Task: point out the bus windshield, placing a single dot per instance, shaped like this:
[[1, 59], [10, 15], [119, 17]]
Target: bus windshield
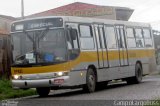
[[39, 46]]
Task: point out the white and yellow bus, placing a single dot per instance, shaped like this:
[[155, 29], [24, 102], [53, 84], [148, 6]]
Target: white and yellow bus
[[66, 52]]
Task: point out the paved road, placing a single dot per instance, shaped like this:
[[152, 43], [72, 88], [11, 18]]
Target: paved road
[[149, 89]]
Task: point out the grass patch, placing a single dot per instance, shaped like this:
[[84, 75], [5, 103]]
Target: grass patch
[[7, 92], [153, 103]]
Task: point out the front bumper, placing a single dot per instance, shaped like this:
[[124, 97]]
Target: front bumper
[[17, 84]]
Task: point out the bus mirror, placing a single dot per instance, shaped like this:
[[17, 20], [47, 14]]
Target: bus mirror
[[73, 33]]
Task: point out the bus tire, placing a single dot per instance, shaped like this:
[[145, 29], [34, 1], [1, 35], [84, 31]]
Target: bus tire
[[138, 75], [43, 92], [90, 85]]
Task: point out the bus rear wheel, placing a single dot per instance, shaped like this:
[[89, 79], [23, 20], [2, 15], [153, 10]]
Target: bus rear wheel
[[90, 85], [138, 75], [42, 92]]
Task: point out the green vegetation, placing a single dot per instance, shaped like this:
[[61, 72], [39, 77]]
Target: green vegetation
[[6, 91], [153, 103]]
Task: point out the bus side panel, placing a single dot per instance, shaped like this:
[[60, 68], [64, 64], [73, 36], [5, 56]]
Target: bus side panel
[[80, 65], [77, 77], [152, 61]]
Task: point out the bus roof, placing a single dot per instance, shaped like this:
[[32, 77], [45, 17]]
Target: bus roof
[[90, 20]]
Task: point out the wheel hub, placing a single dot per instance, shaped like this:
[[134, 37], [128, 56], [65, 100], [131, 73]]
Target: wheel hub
[[91, 81]]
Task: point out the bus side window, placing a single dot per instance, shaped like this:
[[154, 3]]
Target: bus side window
[[86, 37], [147, 37], [111, 37], [131, 41], [139, 37]]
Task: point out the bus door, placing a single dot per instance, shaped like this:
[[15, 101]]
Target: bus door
[[123, 53], [102, 53]]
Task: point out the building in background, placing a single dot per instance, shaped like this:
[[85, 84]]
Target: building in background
[[5, 22], [88, 10]]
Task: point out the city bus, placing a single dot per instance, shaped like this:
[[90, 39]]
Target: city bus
[[66, 52]]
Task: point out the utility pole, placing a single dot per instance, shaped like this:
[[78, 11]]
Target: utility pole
[[22, 9]]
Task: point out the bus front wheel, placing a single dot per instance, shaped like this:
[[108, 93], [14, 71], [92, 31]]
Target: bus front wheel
[[42, 92], [90, 81]]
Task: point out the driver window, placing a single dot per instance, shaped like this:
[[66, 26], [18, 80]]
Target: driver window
[[72, 41]]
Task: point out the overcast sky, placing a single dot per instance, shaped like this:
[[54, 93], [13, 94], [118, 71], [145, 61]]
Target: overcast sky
[[145, 10]]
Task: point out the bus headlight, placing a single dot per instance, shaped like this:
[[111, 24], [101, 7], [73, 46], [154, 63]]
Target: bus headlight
[[15, 77], [62, 74]]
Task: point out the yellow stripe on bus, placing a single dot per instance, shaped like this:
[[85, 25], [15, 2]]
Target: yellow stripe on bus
[[90, 56]]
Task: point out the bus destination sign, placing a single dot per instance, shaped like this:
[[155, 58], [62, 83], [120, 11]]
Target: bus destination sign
[[37, 24]]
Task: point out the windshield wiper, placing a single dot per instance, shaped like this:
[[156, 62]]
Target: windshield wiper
[[43, 33], [29, 36], [36, 38]]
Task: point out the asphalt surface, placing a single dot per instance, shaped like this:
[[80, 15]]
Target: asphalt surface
[[149, 89]]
